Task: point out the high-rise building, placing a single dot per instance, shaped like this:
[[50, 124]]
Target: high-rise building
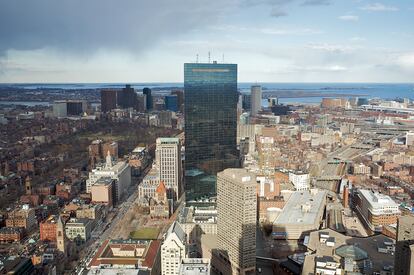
[[256, 100], [404, 250], [147, 92], [171, 103], [236, 221], [168, 159], [127, 97], [210, 92], [246, 101], [180, 99], [108, 100]]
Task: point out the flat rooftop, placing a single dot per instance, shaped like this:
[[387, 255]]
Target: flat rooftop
[[303, 207], [376, 199]]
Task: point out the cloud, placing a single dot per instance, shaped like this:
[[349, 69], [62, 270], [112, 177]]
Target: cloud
[[357, 39], [333, 48], [406, 60], [278, 13], [316, 3], [84, 26], [378, 7], [349, 18]]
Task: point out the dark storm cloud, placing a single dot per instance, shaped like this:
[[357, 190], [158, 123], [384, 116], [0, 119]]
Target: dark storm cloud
[[84, 25]]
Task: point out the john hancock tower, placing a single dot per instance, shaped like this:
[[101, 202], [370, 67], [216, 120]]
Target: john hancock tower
[[210, 91]]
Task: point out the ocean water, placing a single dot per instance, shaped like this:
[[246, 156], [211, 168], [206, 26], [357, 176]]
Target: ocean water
[[368, 90]]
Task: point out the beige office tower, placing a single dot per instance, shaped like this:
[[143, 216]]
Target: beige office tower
[[404, 250], [168, 159], [256, 100], [236, 222]]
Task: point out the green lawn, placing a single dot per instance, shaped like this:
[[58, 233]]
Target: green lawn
[[146, 233]]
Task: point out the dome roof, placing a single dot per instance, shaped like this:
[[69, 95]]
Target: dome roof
[[351, 251]]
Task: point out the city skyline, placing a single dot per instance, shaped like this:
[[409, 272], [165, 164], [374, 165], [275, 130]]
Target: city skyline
[[272, 41]]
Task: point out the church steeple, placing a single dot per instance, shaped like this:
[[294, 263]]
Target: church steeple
[[60, 235], [28, 185], [108, 160]]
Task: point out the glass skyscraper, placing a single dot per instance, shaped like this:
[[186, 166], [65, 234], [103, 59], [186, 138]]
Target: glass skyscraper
[[210, 95]]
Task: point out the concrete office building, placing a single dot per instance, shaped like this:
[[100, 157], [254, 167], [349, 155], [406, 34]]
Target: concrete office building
[[102, 191], [302, 213], [236, 222], [64, 108], [404, 250], [173, 250], [375, 209], [119, 171], [256, 100], [168, 159]]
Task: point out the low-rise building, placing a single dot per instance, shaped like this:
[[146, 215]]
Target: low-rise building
[[302, 213], [22, 217], [195, 266], [130, 255], [11, 234], [48, 229], [78, 229], [197, 221], [375, 209], [300, 180]]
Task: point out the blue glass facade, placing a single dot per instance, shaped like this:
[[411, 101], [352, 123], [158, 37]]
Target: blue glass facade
[[171, 103], [210, 95]]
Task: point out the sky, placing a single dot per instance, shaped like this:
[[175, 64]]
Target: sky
[[92, 41]]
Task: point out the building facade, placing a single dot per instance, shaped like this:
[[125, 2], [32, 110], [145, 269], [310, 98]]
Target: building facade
[[256, 99], [168, 159], [119, 171], [236, 221], [210, 92], [173, 250], [404, 250], [375, 209], [301, 181]]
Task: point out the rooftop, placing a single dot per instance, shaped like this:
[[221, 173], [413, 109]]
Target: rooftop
[[302, 207], [377, 199]]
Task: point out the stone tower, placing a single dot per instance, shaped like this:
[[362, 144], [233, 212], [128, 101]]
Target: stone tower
[[60, 236], [28, 185]]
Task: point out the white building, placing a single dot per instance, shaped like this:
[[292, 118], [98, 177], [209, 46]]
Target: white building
[[376, 209], [119, 171], [301, 181], [195, 266], [173, 250], [168, 161], [409, 138], [256, 100], [78, 228]]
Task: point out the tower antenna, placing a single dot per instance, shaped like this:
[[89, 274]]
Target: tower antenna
[[223, 58], [197, 58], [209, 57]]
